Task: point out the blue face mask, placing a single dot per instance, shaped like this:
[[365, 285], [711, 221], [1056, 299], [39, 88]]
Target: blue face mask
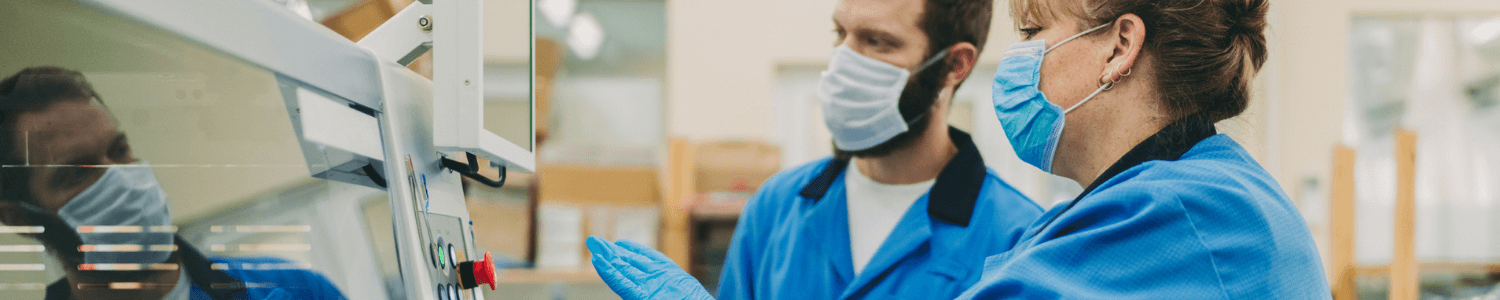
[[1032, 124], [122, 218]]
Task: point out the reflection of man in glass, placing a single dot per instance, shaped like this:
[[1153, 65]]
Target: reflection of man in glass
[[68, 169]]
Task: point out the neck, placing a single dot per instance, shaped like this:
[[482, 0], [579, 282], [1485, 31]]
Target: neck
[[921, 161], [1101, 135]]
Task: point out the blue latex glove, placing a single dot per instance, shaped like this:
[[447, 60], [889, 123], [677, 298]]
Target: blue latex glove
[[637, 272]]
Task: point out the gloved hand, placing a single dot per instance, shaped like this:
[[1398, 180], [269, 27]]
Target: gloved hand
[[637, 272]]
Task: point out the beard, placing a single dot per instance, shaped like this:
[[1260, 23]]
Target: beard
[[62, 241], [57, 236], [916, 103]]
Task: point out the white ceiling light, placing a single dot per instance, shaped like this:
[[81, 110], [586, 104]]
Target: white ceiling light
[[557, 12], [1486, 31], [585, 36], [1486, 37]]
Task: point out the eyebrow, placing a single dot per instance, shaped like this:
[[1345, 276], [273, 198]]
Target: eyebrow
[[92, 159], [874, 32], [882, 34]]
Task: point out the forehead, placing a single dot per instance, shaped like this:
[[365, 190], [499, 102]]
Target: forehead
[[895, 16], [65, 126]]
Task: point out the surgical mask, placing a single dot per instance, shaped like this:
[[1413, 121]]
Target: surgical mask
[[129, 200], [1032, 124], [861, 99]]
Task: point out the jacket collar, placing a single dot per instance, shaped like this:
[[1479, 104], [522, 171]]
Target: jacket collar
[[952, 196], [216, 283], [1168, 144]]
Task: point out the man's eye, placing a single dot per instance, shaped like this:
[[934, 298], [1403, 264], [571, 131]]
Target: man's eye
[[874, 42], [120, 152], [68, 177]]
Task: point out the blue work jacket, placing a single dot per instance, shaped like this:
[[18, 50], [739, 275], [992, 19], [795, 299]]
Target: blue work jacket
[[1187, 214], [792, 241]]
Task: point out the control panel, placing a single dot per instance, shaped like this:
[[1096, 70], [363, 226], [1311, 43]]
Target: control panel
[[446, 240], [444, 256]]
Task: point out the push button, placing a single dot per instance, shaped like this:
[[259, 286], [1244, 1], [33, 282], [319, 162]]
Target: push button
[[452, 257], [473, 273], [442, 259]]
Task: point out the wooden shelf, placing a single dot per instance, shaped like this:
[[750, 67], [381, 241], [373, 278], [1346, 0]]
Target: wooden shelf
[[717, 211], [1435, 268]]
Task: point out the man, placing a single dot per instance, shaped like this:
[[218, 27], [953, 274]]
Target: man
[[69, 170], [905, 209]]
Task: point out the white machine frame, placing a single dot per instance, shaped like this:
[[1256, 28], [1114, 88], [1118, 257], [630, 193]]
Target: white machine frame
[[336, 90], [457, 46]]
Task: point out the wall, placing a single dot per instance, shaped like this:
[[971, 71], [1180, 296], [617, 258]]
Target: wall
[[731, 76], [721, 70], [506, 32], [721, 66]]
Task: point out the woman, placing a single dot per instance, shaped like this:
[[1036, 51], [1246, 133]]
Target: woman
[[1172, 210]]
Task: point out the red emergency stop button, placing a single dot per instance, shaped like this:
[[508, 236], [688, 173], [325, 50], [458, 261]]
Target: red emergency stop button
[[473, 273]]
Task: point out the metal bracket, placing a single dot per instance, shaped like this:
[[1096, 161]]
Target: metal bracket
[[457, 46], [404, 37]]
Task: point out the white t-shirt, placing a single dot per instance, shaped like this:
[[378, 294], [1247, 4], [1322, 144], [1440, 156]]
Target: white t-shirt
[[874, 210]]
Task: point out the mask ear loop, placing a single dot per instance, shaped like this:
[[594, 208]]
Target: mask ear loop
[[1105, 87], [1076, 36], [931, 61], [1101, 89]]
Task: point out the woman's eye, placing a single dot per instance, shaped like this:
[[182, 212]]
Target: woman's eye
[[1030, 32], [873, 42]]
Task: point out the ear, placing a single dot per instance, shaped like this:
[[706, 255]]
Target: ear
[[1126, 44], [962, 57], [12, 214]]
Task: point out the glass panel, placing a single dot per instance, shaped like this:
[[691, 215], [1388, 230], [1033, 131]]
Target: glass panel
[[138, 165]]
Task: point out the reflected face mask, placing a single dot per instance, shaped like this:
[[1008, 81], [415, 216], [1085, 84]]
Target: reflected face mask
[[129, 199], [1032, 124], [861, 98]]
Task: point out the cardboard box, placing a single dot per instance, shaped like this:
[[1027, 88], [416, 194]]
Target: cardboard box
[[549, 58], [598, 185], [610, 202], [734, 166]]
